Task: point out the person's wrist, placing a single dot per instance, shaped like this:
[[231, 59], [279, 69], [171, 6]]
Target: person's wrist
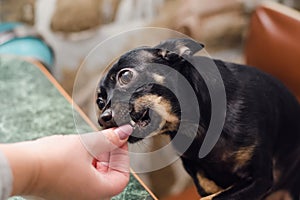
[[36, 183], [24, 164]]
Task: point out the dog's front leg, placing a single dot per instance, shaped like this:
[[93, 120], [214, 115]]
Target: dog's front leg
[[189, 167], [244, 190], [253, 187]]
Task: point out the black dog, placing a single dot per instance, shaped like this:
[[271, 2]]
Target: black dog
[[257, 154]]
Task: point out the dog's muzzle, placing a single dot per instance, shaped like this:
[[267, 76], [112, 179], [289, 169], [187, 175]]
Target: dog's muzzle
[[117, 114]]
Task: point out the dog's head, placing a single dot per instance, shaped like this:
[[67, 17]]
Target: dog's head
[[134, 89]]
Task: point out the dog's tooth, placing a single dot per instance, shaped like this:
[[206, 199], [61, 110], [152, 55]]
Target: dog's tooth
[[132, 122]]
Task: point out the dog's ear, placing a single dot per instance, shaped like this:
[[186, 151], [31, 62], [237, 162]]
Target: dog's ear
[[181, 47]]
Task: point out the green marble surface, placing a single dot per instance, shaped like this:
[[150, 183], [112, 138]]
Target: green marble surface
[[31, 107]]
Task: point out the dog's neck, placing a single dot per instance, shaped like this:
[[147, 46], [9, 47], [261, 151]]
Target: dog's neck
[[200, 89]]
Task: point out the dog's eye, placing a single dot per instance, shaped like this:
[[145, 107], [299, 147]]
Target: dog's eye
[[125, 77], [101, 103]]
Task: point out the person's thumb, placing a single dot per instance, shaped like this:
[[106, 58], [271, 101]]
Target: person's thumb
[[107, 140]]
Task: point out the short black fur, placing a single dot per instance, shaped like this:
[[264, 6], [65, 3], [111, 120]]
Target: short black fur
[[258, 151]]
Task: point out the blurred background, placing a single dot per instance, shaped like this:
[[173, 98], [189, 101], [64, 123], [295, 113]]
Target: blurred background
[[72, 28]]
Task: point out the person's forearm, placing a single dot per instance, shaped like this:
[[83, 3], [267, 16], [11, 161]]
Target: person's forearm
[[24, 166], [5, 178]]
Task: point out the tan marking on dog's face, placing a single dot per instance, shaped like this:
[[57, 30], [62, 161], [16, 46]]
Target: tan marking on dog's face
[[162, 107], [158, 78], [172, 126], [209, 186], [158, 104]]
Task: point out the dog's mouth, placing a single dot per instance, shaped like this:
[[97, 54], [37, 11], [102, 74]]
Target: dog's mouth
[[144, 123], [140, 120]]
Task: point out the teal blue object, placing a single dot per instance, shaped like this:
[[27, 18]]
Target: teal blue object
[[28, 46], [8, 26]]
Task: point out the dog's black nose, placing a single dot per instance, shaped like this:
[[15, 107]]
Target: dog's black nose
[[106, 119], [106, 116]]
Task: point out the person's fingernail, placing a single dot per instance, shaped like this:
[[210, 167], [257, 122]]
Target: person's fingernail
[[123, 131], [105, 164]]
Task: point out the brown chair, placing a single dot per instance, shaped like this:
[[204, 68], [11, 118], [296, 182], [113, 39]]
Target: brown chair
[[273, 43]]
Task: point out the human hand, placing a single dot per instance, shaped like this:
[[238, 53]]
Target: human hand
[[87, 166]]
